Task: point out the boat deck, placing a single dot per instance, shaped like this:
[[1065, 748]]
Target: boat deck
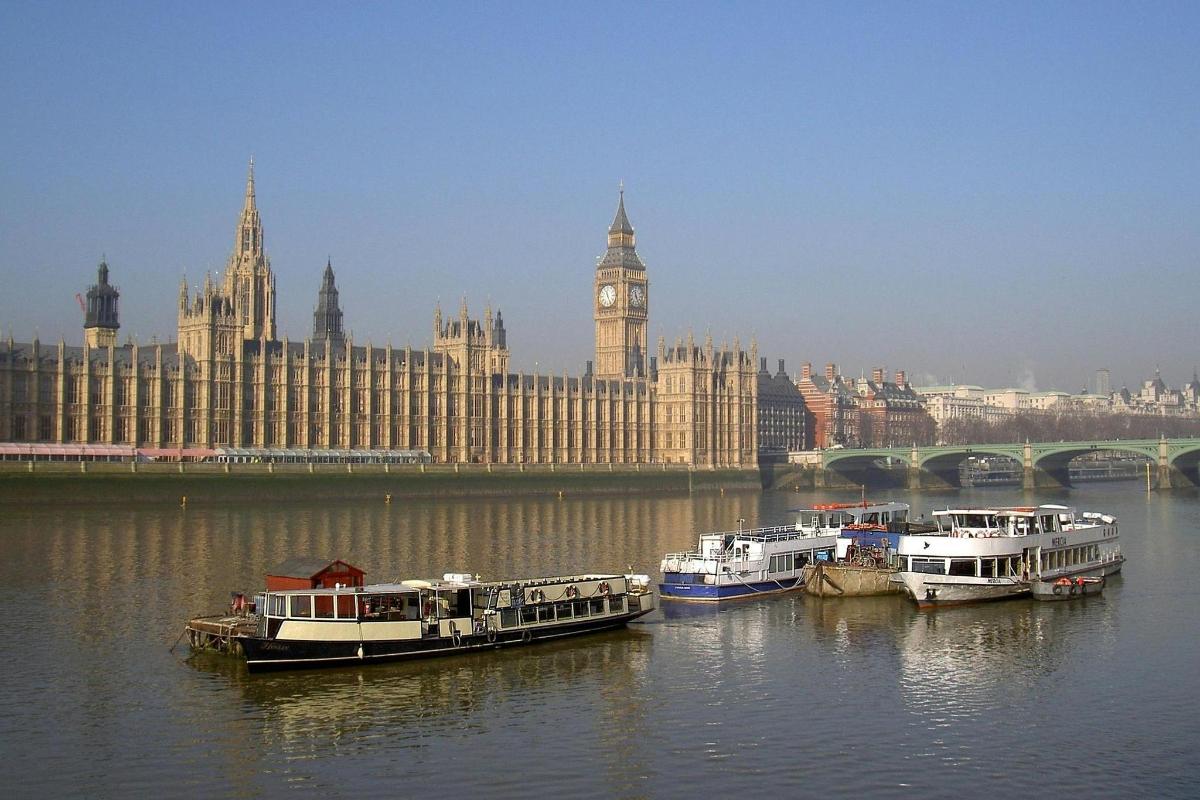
[[219, 633]]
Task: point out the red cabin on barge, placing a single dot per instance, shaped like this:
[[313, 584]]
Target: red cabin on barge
[[306, 572]]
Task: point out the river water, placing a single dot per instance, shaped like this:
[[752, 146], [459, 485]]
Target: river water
[[792, 694]]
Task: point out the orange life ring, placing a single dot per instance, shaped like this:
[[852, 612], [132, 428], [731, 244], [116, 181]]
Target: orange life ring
[[572, 592], [603, 587]]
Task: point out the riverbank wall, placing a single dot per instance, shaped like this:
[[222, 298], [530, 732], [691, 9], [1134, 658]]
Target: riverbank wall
[[40, 483]]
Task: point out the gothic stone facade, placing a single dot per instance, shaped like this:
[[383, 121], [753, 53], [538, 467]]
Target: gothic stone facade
[[228, 381]]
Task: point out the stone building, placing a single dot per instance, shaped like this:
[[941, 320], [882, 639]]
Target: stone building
[[228, 381], [781, 413]]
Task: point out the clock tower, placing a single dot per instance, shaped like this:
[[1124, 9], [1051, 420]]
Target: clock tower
[[621, 301]]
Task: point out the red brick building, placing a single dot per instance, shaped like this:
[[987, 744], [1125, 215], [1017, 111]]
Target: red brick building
[[862, 413]]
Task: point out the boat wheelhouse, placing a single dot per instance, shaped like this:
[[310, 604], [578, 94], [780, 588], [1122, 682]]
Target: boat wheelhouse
[[342, 625], [744, 563], [981, 554]]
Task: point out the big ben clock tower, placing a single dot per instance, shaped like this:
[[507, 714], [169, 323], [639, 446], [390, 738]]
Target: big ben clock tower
[[621, 300]]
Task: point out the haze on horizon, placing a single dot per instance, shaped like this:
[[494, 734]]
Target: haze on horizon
[[972, 193]]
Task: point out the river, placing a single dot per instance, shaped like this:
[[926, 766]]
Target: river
[[790, 695]]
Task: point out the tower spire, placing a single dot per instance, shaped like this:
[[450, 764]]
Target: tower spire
[[249, 204]]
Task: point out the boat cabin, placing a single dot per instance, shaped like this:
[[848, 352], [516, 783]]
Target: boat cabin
[[306, 572], [455, 606], [1015, 521], [883, 516]]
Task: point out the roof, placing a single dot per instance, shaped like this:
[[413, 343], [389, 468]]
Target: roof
[[306, 566]]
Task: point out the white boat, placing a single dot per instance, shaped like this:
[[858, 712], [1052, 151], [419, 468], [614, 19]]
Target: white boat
[[981, 554], [743, 563]]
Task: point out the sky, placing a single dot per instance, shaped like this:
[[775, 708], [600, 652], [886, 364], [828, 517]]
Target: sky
[[1002, 194]]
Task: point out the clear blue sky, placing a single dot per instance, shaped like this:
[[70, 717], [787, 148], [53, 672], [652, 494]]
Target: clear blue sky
[[999, 194]]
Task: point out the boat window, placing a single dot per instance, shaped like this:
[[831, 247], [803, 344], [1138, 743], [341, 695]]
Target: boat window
[[528, 615], [563, 610], [345, 606], [508, 618], [616, 604], [987, 568], [901, 515], [545, 613], [1047, 522], [597, 605], [323, 605], [962, 566], [581, 608], [929, 566], [301, 606]]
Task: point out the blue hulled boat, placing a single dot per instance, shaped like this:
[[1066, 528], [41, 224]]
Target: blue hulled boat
[[757, 561]]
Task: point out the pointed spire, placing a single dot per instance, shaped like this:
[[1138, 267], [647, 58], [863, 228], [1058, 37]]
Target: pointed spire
[[620, 223], [249, 202]]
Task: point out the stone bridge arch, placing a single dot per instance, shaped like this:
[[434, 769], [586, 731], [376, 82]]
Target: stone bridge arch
[[1051, 462], [856, 467], [940, 465]]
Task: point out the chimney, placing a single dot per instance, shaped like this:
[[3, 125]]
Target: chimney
[[901, 378], [805, 371], [588, 373], [781, 371], [830, 371], [762, 364], [877, 376]]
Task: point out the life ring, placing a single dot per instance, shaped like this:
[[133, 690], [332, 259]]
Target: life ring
[[526, 636], [491, 635], [572, 592], [603, 587], [537, 596], [1057, 589]]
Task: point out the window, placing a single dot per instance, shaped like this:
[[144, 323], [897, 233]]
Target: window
[[962, 566], [301, 605], [929, 566]]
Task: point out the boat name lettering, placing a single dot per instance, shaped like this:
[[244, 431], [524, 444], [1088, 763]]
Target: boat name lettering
[[1058, 541]]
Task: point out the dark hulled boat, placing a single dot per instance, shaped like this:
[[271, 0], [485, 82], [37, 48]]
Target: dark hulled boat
[[342, 625]]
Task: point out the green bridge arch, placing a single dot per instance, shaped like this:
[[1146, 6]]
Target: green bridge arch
[[1044, 463]]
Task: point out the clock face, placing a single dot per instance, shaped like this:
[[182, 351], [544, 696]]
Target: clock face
[[608, 295], [637, 296]]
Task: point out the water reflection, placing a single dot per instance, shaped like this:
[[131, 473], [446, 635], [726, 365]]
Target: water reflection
[[787, 694]]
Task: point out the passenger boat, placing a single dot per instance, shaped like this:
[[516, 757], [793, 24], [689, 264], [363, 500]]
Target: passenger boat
[[341, 625], [1067, 588], [745, 563], [981, 554]]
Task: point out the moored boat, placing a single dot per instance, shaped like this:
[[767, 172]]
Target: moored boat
[[750, 562], [981, 554], [341, 625], [1066, 588]]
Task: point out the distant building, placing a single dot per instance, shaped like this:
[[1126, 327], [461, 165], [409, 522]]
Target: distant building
[[229, 382], [860, 412], [781, 413]]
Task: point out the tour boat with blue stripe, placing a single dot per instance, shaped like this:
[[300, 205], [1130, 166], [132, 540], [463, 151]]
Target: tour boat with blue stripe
[[980, 554], [759, 561]]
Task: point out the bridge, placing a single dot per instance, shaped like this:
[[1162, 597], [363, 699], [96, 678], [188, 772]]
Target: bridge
[[1175, 462]]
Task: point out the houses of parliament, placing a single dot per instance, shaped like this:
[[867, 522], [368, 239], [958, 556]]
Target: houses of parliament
[[228, 380]]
